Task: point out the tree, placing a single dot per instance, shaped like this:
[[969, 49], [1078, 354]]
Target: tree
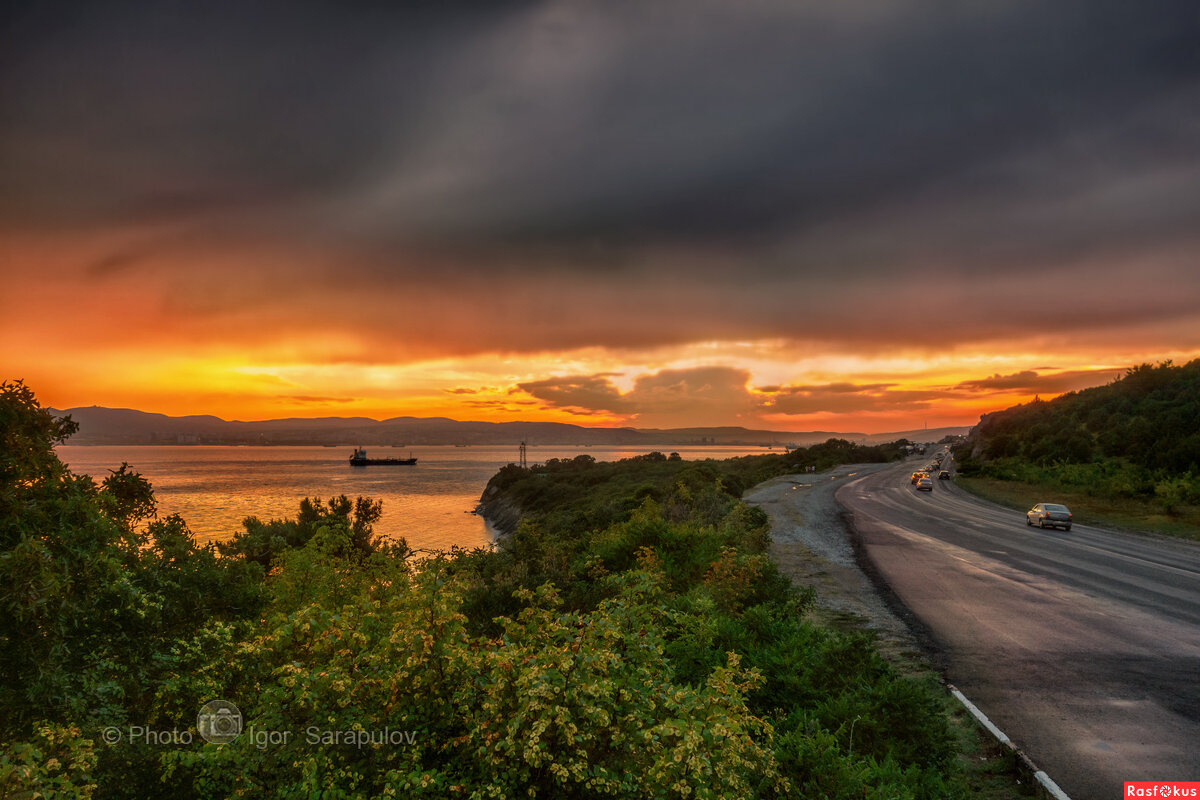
[[130, 497], [263, 542]]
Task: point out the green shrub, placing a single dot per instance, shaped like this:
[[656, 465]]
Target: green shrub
[[631, 638]]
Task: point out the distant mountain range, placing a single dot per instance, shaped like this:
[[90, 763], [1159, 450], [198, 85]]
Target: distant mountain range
[[99, 425]]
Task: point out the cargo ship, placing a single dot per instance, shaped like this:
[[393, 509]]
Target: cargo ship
[[359, 459]]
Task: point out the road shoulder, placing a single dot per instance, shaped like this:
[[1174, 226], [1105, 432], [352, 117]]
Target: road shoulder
[[812, 545]]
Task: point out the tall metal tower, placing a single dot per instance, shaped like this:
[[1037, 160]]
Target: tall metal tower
[[523, 464]]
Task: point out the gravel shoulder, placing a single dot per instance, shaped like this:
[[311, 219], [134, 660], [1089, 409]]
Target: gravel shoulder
[[812, 545]]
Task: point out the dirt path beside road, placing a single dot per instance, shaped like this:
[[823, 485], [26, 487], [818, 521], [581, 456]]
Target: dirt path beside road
[[811, 544]]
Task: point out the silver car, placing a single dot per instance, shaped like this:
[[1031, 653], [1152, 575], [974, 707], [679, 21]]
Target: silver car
[[1049, 515]]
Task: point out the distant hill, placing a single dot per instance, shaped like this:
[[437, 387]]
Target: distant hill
[[916, 435], [99, 425], [1147, 418]]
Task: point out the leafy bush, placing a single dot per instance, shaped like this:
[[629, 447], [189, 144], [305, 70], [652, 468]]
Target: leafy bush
[[630, 639]]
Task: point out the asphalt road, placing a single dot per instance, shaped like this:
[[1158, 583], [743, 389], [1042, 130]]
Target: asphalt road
[[1082, 646]]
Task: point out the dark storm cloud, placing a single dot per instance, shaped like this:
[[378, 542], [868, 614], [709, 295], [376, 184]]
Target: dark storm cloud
[[1017, 380], [127, 111], [849, 397], [625, 173], [679, 397], [713, 393], [588, 392], [1032, 381]]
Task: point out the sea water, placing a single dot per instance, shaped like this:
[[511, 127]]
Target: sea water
[[430, 504]]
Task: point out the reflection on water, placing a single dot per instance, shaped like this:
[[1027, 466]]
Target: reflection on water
[[215, 488]]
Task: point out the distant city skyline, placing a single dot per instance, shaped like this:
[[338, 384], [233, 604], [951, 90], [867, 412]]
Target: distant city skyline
[[791, 216]]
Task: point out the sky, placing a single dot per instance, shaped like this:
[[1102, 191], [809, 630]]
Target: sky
[[868, 215]]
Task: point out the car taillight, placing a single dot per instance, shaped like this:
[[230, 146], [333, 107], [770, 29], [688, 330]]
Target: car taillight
[[1045, 515]]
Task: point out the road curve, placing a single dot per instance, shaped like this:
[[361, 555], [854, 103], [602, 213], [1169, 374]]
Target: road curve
[[1082, 645]]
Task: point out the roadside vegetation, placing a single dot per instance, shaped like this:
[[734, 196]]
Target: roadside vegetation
[[582, 494], [1126, 454], [630, 639]]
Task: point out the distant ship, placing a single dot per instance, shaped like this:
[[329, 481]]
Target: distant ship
[[359, 459]]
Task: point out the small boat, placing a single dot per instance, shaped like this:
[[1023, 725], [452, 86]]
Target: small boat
[[359, 459]]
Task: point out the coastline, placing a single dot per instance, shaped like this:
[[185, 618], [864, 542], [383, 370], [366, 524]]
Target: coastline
[[498, 513]]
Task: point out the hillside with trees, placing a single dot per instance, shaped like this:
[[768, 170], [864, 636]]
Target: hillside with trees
[[1132, 445]]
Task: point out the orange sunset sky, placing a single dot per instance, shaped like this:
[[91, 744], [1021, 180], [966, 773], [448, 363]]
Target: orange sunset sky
[[863, 217]]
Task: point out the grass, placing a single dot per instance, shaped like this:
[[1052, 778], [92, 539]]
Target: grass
[[991, 769], [1145, 516]]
